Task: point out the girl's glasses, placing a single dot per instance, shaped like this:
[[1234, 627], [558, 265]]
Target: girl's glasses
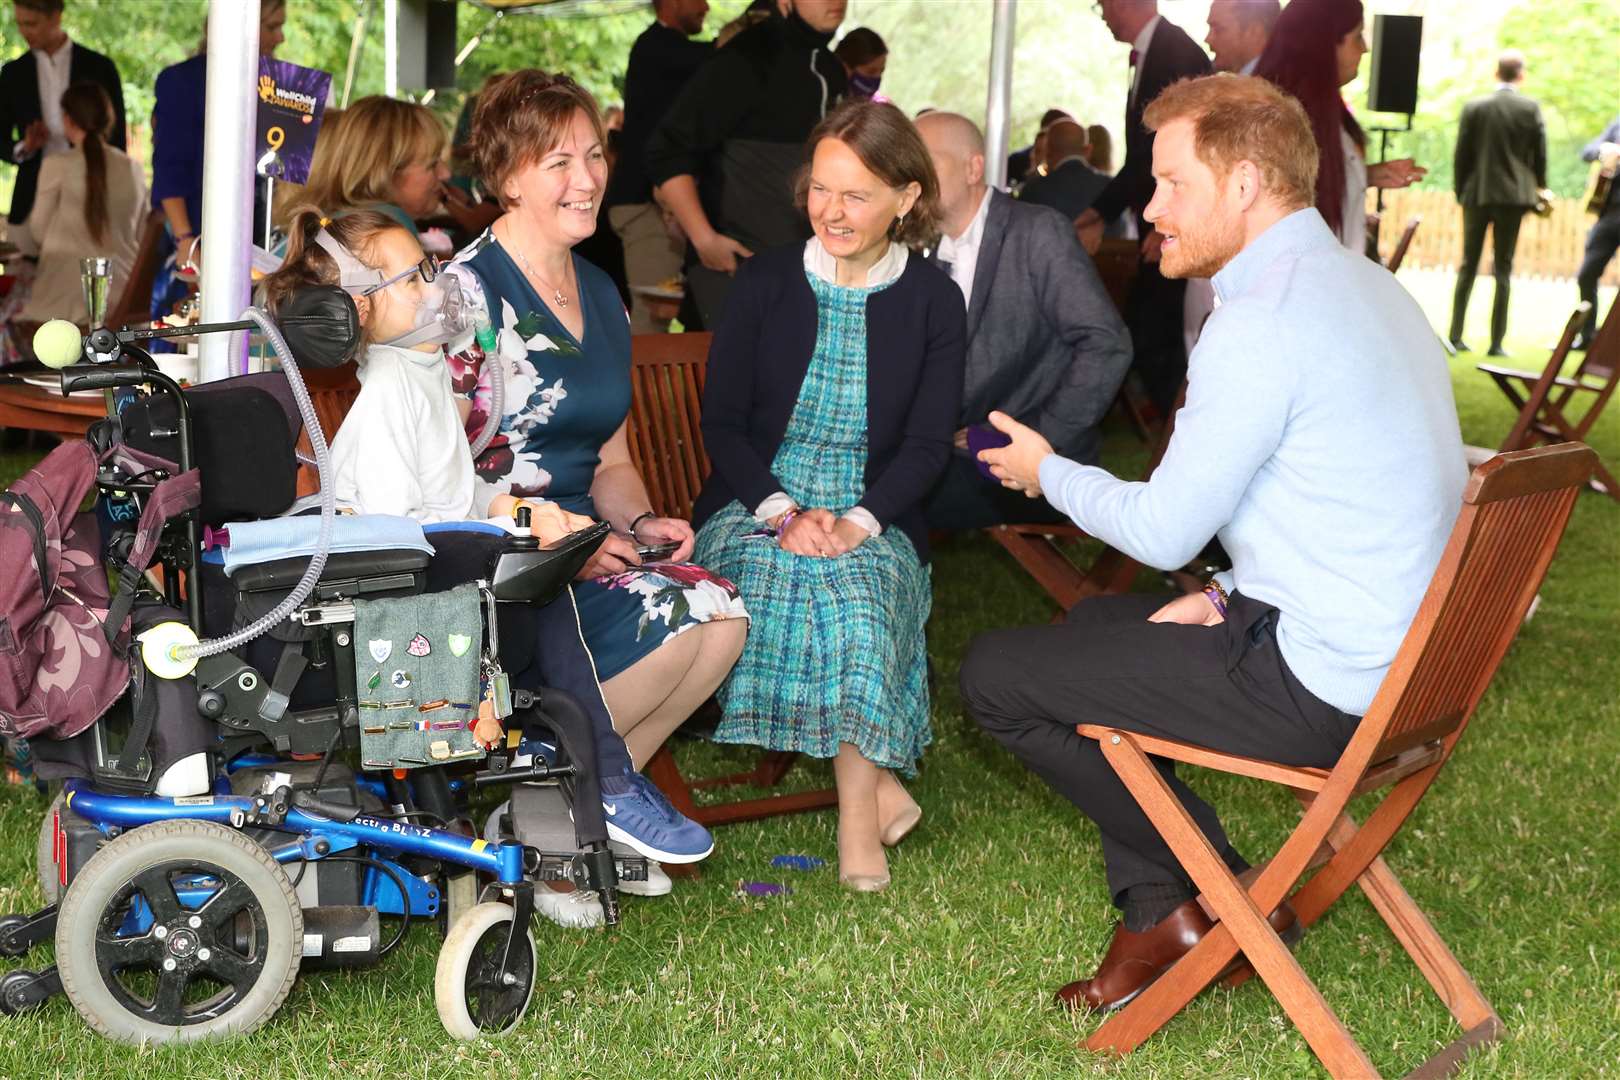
[[428, 268]]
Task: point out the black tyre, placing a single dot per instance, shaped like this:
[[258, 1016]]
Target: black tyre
[[221, 949]]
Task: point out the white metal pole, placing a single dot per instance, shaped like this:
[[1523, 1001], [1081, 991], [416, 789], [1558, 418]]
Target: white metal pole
[[998, 101], [391, 48], [233, 76]]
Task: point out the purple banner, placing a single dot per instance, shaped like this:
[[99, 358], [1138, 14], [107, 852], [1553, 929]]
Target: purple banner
[[291, 102]]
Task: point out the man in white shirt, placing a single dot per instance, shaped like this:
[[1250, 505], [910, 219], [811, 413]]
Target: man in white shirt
[[31, 99], [1044, 341]]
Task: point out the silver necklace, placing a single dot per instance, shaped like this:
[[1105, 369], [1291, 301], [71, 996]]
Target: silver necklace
[[556, 293]]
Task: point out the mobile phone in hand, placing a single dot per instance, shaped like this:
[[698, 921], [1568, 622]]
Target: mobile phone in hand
[[656, 552]]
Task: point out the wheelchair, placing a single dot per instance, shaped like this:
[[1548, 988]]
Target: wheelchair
[[221, 830]]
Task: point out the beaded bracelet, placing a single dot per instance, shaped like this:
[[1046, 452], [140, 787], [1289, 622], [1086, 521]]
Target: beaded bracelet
[[1217, 596], [787, 519]]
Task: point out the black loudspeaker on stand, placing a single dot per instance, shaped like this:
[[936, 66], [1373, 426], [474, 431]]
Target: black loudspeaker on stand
[[1393, 82], [1393, 86]]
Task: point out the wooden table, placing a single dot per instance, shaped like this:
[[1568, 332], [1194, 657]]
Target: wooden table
[[33, 408]]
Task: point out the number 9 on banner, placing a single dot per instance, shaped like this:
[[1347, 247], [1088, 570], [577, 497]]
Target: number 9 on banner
[[274, 137]]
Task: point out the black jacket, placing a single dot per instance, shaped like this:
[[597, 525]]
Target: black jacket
[[19, 107], [740, 124], [1070, 189], [1501, 155], [1171, 55], [662, 61], [757, 365]]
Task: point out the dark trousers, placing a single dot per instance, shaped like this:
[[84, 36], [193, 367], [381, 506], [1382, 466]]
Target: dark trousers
[[1153, 316], [1223, 687], [1601, 243], [1504, 223], [964, 499]]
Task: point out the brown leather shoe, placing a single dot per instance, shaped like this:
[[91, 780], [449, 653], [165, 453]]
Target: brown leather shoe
[[1282, 920], [1135, 960]]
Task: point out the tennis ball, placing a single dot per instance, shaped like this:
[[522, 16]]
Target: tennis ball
[[57, 343]]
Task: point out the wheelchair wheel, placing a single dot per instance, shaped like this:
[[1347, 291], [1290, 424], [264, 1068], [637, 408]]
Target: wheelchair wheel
[[220, 947], [45, 851], [473, 996]]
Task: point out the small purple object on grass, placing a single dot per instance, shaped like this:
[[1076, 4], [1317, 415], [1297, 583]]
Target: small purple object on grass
[[984, 437], [763, 888], [798, 862]]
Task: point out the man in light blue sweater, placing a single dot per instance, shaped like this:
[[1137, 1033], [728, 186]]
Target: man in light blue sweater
[[1319, 442]]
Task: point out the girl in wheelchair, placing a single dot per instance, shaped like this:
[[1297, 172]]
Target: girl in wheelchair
[[402, 450]]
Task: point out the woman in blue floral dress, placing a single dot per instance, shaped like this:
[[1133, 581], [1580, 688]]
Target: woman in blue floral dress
[[832, 391], [662, 635]]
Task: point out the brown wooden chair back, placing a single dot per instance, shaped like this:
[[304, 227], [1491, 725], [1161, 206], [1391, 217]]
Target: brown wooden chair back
[[1117, 262], [332, 391], [135, 301], [1398, 256], [1513, 514], [666, 397]]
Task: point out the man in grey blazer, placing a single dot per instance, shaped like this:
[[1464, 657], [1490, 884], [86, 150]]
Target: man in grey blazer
[[1045, 343], [1500, 168]]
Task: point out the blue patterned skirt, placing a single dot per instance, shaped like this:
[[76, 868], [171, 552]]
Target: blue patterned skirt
[[836, 652]]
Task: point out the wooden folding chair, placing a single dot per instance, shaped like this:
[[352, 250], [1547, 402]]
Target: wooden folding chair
[[1544, 401], [666, 447], [1513, 515], [1036, 547], [1398, 256]]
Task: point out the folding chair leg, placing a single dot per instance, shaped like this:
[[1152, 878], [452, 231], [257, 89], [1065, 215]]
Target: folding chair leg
[[1423, 944], [1301, 1000]]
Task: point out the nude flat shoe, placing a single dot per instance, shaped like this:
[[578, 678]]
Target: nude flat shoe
[[903, 823], [868, 883]]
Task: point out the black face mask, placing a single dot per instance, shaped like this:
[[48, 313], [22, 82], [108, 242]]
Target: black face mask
[[321, 325]]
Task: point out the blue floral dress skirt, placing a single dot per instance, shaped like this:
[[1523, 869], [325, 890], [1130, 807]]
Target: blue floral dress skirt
[[836, 652], [564, 398]]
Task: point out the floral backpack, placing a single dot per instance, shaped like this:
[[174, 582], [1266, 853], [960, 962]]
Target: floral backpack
[[59, 671]]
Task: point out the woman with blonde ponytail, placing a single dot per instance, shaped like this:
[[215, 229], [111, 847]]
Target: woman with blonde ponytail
[[90, 202]]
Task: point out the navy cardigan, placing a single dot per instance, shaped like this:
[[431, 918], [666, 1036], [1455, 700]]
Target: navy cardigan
[[916, 334]]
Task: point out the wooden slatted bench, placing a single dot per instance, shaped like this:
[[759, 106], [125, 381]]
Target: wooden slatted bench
[[666, 447]]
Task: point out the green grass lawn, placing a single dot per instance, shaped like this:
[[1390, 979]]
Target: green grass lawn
[[998, 897]]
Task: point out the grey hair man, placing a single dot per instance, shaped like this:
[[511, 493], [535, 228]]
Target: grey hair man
[[1238, 32], [1044, 341]]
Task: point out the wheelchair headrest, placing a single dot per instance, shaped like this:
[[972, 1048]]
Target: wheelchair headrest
[[321, 325]]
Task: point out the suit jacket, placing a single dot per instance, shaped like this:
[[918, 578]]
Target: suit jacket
[[19, 107], [1171, 55], [1070, 189], [1045, 344], [1501, 156], [757, 363]]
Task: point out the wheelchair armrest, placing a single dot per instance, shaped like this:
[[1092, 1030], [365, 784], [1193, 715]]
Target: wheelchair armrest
[[350, 568], [535, 575]]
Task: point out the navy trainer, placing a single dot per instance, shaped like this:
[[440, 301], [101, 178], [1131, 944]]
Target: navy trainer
[[640, 817]]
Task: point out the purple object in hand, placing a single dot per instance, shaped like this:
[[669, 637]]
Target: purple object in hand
[[985, 437]]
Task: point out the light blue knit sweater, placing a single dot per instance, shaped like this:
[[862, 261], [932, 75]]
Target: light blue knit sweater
[[1319, 442]]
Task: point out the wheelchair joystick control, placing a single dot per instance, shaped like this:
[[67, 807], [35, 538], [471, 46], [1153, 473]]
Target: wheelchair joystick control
[[524, 516]]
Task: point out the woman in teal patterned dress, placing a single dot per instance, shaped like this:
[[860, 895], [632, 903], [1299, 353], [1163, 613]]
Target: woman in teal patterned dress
[[832, 391], [662, 635]]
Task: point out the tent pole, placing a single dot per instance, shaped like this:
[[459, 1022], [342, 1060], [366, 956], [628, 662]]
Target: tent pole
[[228, 125], [998, 103], [391, 48]]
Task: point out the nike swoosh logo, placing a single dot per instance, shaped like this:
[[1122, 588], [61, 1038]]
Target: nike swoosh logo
[[611, 809]]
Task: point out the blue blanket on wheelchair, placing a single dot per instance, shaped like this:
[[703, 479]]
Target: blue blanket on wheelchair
[[283, 538]]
